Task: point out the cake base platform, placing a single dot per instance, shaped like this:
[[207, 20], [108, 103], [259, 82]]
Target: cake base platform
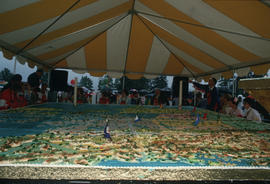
[[134, 173]]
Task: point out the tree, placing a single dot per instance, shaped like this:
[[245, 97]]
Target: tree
[[118, 84], [105, 83], [226, 83], [138, 84], [44, 78], [86, 82], [159, 82], [5, 74]]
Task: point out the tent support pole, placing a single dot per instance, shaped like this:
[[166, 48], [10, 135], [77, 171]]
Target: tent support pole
[[49, 77], [124, 81], [92, 39], [166, 46], [194, 104], [233, 92], [43, 31], [206, 27], [15, 63], [131, 24], [180, 94], [75, 92]]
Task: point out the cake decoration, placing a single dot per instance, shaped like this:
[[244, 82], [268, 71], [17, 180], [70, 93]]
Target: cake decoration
[[107, 134], [197, 120], [55, 134]]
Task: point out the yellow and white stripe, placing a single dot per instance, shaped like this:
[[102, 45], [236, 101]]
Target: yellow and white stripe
[[192, 38], [117, 42]]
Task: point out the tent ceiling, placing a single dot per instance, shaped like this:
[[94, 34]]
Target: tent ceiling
[[138, 38]]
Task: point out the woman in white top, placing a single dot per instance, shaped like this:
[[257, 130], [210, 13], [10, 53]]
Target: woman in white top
[[234, 111], [250, 113]]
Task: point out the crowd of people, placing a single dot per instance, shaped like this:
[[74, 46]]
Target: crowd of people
[[18, 94], [134, 97], [226, 103]]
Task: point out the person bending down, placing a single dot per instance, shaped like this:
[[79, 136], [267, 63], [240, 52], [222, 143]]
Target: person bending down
[[250, 113], [212, 93]]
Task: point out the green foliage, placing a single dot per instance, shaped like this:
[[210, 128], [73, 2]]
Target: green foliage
[[142, 83], [5, 74], [44, 78], [105, 83], [117, 84], [224, 82], [159, 82], [86, 82], [138, 84]]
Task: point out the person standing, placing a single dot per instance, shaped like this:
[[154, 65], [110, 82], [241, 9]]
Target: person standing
[[34, 82], [122, 99], [34, 79], [211, 92], [158, 98]]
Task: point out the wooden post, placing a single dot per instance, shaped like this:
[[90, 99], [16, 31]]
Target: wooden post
[[124, 80], [180, 94], [14, 68], [75, 92], [195, 93], [194, 98], [233, 91], [49, 77]]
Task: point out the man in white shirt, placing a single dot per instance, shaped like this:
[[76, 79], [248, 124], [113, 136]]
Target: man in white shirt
[[250, 113]]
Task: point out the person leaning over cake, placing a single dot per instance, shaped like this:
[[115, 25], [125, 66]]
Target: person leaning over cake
[[34, 80], [211, 92], [250, 113]]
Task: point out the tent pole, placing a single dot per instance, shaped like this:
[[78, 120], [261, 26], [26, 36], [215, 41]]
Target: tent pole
[[177, 58], [206, 27], [49, 77], [233, 92], [194, 96], [75, 92], [131, 12], [92, 39], [124, 80], [43, 31], [180, 94], [15, 63]]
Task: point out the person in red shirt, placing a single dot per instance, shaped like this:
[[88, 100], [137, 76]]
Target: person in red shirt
[[44, 93], [12, 95], [123, 98], [158, 98], [104, 99]]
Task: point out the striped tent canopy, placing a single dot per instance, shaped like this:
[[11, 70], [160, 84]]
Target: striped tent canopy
[[136, 38]]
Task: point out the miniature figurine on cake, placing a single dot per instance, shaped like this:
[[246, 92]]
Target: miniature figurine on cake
[[197, 120], [107, 134], [193, 111], [137, 119], [204, 116]]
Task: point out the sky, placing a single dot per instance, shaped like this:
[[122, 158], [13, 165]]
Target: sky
[[25, 71]]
